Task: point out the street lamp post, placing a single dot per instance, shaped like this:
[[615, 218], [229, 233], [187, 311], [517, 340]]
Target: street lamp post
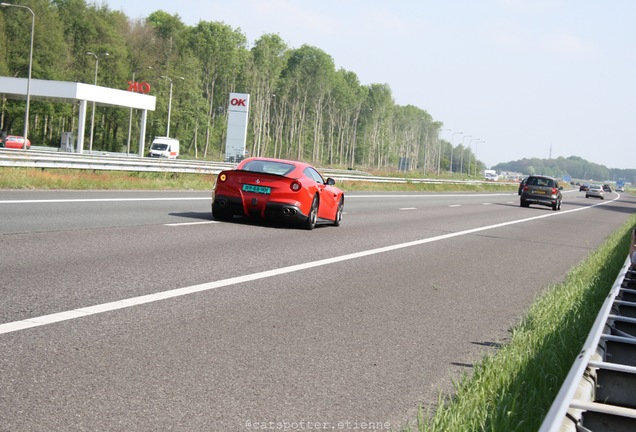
[[28, 89], [169, 103], [439, 150], [461, 163], [453, 148], [470, 144], [90, 143], [481, 141]]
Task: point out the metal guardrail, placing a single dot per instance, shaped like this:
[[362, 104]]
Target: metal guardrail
[[43, 158], [105, 161], [599, 392]]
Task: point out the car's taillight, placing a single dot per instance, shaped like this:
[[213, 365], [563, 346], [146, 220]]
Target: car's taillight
[[295, 186], [222, 177], [554, 191]]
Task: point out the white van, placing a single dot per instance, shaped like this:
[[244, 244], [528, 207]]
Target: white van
[[164, 147], [490, 175]]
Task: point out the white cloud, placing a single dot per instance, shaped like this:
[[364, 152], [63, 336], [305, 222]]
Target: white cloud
[[527, 6], [507, 38], [564, 43]]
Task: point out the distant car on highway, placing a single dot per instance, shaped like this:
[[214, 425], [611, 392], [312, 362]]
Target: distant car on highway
[[277, 189], [607, 188], [620, 189], [542, 190], [14, 142], [584, 187], [595, 191]]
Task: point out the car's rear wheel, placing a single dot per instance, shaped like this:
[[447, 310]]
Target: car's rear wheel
[[310, 223], [524, 203], [338, 218], [222, 215]]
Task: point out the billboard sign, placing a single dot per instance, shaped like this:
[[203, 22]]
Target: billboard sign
[[238, 110]]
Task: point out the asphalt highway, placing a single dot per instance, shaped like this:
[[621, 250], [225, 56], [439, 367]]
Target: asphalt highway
[[136, 311]]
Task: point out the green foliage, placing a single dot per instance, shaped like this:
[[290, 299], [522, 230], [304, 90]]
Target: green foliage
[[301, 106], [573, 166]]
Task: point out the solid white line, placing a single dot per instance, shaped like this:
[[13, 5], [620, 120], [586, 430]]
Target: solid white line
[[191, 223], [87, 200], [408, 208], [49, 201], [150, 298], [455, 205]]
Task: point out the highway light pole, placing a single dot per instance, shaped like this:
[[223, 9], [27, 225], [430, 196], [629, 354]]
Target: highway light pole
[[453, 148], [470, 145], [481, 141], [461, 162], [28, 89], [90, 144], [439, 149], [169, 103]]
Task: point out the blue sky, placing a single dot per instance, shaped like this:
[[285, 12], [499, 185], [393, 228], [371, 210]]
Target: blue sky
[[519, 78]]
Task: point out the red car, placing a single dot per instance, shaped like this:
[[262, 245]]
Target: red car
[[277, 189], [15, 142]]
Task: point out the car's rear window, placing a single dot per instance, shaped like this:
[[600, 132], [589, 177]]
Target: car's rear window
[[268, 167], [538, 181]]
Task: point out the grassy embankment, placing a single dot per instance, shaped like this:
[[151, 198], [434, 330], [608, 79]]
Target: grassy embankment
[[509, 390], [512, 389]]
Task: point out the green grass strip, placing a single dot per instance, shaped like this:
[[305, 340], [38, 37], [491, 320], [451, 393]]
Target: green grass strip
[[70, 179], [512, 389], [74, 179]]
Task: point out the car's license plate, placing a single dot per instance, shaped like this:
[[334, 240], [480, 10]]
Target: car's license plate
[[539, 192], [256, 189]]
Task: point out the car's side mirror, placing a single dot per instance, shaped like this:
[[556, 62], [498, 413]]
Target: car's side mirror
[[560, 187], [330, 181]]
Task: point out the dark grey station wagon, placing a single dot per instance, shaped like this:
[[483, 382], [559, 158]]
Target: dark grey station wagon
[[542, 190]]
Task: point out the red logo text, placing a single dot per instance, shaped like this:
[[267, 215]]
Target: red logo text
[[139, 87]]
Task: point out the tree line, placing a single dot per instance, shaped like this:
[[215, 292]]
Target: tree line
[[573, 166], [302, 107]]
